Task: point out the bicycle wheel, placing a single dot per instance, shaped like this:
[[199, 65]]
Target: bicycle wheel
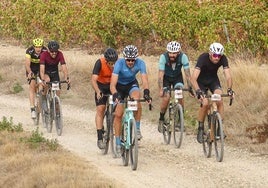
[[124, 150], [167, 131], [106, 132], [207, 143], [178, 127], [37, 109], [49, 115], [58, 115], [134, 144], [219, 139]]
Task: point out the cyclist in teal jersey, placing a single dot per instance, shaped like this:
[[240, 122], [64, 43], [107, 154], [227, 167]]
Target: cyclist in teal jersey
[[170, 74], [124, 84], [32, 66]]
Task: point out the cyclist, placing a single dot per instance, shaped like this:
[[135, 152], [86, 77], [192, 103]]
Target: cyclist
[[205, 77], [49, 61], [124, 84], [101, 78], [170, 74], [32, 69]]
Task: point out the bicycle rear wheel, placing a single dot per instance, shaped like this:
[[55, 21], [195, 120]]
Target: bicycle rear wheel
[[207, 144], [58, 115], [134, 144], [124, 149], [167, 131], [178, 127], [106, 132], [219, 139]]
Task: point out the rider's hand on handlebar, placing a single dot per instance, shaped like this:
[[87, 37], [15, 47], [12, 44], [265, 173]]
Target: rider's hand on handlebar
[[117, 97], [199, 94], [191, 91], [146, 95]]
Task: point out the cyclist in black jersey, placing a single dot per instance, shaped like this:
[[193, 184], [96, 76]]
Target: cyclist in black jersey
[[205, 77], [32, 68]]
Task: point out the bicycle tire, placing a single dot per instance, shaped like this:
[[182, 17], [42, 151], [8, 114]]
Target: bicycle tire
[[37, 111], [219, 142], [134, 144], [178, 127], [49, 115], [124, 150], [207, 144], [58, 115], [167, 131], [106, 132]]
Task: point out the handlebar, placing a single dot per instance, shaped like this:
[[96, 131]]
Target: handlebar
[[222, 95], [61, 82]]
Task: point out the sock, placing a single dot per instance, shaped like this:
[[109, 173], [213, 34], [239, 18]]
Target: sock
[[32, 108], [99, 132], [162, 116], [138, 125], [117, 140]]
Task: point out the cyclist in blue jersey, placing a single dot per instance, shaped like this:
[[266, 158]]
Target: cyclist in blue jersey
[[170, 74], [124, 84]]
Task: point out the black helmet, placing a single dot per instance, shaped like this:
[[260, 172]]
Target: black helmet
[[53, 45], [130, 51], [110, 55]]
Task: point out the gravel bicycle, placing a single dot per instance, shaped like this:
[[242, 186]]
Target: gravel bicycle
[[52, 107], [38, 98], [213, 128], [174, 120], [129, 139]]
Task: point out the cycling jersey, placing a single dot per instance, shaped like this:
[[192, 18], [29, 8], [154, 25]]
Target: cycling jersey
[[103, 71], [51, 64], [173, 69], [34, 58], [127, 75], [208, 70]]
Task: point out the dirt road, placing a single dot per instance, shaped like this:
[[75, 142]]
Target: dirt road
[[159, 165]]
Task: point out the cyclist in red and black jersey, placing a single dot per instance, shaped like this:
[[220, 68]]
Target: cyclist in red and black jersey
[[32, 69], [49, 61], [101, 78], [205, 77]]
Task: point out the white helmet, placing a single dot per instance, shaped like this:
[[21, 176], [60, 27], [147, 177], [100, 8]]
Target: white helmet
[[173, 46], [216, 48]]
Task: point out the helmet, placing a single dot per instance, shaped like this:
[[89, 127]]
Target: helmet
[[110, 54], [38, 42], [173, 46], [53, 45], [216, 48], [130, 51]]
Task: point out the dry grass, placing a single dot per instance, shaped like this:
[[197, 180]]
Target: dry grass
[[22, 166]]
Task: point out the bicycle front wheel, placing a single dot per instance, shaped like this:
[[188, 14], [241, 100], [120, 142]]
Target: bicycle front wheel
[[207, 143], [134, 144], [106, 132], [178, 127], [167, 131], [124, 147], [219, 137], [58, 115], [37, 109]]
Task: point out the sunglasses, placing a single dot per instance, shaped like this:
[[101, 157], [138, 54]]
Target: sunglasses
[[53, 52], [216, 55], [130, 60], [110, 63]]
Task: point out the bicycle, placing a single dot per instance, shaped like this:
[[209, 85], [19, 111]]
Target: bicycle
[[108, 130], [52, 107], [213, 130], [129, 139], [38, 98], [174, 121]]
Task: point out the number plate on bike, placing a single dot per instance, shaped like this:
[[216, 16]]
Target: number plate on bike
[[132, 105], [55, 86], [178, 94], [215, 97]]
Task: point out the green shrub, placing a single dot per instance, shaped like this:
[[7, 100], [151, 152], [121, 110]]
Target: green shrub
[[17, 88]]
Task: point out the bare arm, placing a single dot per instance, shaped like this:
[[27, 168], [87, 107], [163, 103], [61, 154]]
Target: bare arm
[[94, 79], [160, 79], [42, 71], [27, 66], [227, 74], [188, 77], [194, 77], [65, 71], [145, 82], [113, 83]]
